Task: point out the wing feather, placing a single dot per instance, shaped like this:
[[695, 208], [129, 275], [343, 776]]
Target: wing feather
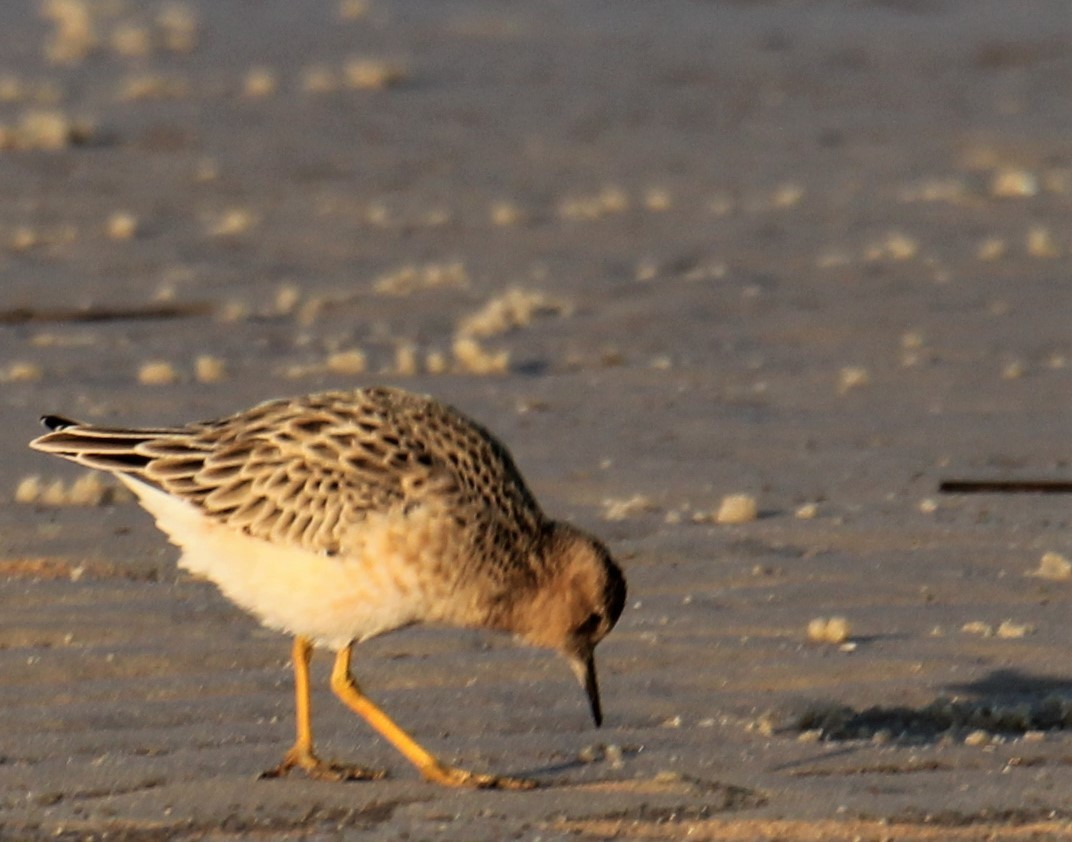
[[306, 472]]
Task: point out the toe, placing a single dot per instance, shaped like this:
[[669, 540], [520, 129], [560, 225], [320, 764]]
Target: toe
[[514, 783], [350, 772], [451, 776], [321, 770], [279, 771]]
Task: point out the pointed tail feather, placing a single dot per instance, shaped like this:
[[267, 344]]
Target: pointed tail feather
[[103, 448]]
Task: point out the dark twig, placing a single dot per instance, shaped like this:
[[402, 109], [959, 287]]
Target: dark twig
[[1005, 486], [25, 315]]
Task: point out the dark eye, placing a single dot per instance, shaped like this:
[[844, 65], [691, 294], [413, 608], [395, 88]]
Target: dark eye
[[589, 626]]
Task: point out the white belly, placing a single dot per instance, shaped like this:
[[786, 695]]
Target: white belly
[[381, 583]]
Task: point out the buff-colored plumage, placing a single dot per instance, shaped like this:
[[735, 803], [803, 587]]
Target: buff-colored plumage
[[339, 516]]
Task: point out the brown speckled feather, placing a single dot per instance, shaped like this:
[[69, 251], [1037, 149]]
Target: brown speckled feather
[[304, 471]]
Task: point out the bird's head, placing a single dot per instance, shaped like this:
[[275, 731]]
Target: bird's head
[[579, 600]]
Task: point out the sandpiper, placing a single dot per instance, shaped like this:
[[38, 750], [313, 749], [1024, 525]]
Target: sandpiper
[[340, 516]]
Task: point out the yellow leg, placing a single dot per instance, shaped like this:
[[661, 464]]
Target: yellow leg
[[301, 753], [347, 690]]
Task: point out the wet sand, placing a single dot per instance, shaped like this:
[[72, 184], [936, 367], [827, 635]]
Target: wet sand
[[815, 254]]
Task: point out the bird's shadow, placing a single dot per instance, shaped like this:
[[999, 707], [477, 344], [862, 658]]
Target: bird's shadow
[[603, 760], [540, 773], [1005, 701], [1007, 684]]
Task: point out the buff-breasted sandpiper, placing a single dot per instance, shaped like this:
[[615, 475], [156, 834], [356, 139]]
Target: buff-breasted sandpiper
[[344, 515]]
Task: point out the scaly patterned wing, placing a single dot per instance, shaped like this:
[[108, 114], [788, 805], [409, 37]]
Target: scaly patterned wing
[[292, 471]]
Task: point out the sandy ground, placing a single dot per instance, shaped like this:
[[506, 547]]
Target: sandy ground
[[817, 253]]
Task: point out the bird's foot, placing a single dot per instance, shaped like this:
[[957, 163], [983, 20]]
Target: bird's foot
[[322, 770], [452, 776]]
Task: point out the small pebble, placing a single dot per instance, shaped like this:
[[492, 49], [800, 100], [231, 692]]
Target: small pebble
[[591, 753], [852, 377], [122, 225], [209, 369], [28, 490], [990, 249], [1010, 630], [21, 372], [347, 362], [1013, 370], [1053, 566], [1040, 243], [828, 630], [1013, 183], [157, 373], [259, 82], [373, 74], [978, 738], [737, 508]]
